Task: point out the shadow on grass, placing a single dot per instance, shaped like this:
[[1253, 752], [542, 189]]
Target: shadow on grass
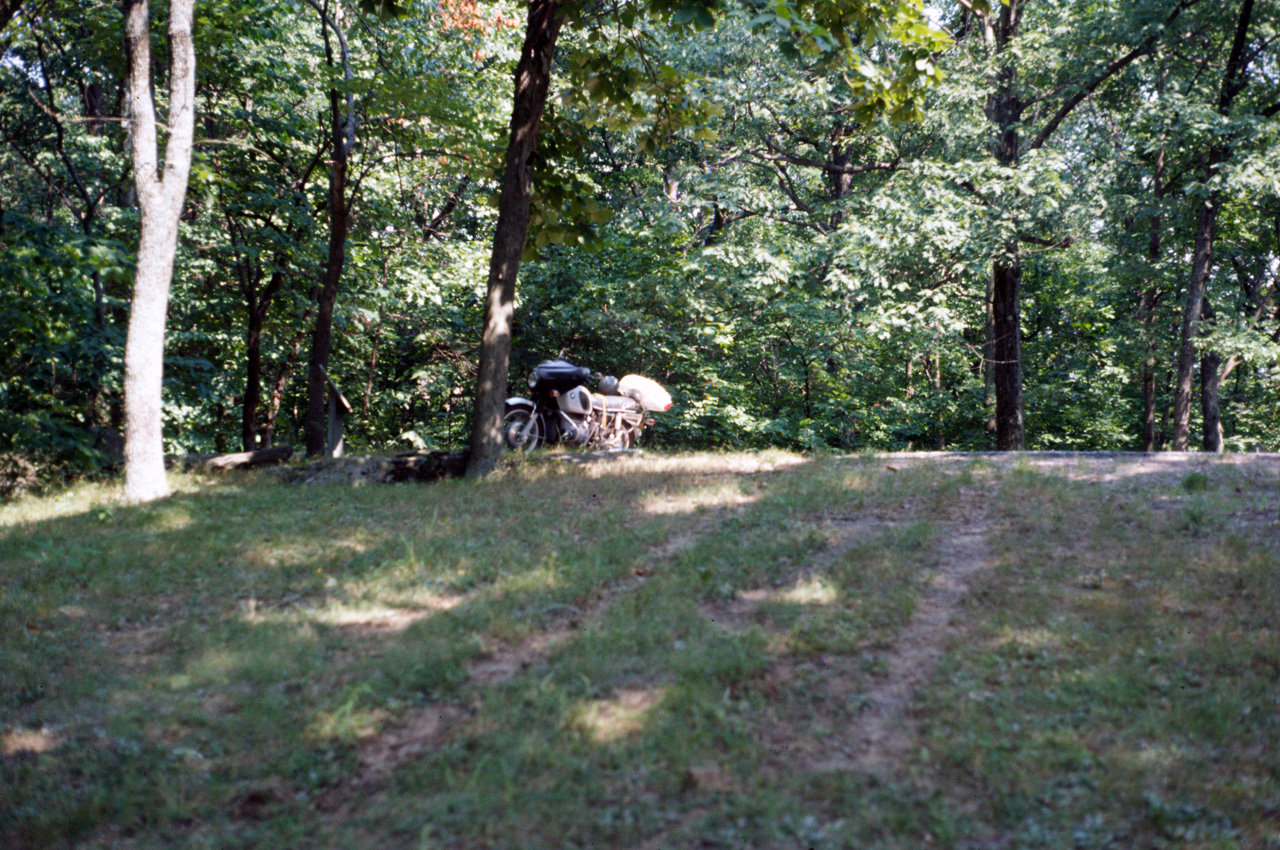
[[207, 670], [241, 634]]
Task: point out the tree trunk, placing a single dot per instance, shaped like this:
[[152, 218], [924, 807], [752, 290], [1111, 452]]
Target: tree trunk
[[1004, 109], [1149, 399], [344, 138], [1006, 308], [532, 81], [937, 386], [253, 377], [160, 198], [1210, 379], [988, 359], [1202, 253], [322, 337], [1201, 259], [1150, 303]]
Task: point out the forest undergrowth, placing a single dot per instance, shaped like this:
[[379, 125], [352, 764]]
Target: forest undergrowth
[[762, 650]]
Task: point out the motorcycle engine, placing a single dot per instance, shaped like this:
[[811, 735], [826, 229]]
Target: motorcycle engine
[[574, 431]]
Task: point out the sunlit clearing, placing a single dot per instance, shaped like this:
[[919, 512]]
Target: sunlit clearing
[[810, 590], [622, 716], [723, 495], [28, 741], [1026, 638]]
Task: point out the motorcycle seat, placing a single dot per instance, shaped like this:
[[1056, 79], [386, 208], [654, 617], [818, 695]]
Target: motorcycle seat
[[618, 403]]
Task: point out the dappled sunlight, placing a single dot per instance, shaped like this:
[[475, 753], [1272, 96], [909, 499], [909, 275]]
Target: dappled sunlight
[[34, 741], [542, 578], [214, 666], [346, 724], [706, 463], [362, 615], [808, 590], [621, 716], [74, 501], [1172, 467], [302, 552], [1152, 756], [721, 495], [1029, 638]]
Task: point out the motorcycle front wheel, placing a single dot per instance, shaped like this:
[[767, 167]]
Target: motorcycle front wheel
[[513, 430]]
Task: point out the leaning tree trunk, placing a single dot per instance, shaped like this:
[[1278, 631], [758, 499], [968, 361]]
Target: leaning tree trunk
[[344, 140], [532, 81], [160, 198]]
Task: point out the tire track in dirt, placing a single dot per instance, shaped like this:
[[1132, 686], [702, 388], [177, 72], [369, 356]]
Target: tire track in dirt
[[881, 738], [851, 724], [738, 613]]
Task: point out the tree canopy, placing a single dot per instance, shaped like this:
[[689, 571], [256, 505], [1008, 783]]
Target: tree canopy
[[845, 225]]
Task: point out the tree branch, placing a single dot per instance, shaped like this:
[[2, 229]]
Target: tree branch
[[1110, 70], [349, 125]]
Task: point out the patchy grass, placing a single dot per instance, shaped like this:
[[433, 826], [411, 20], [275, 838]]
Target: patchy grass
[[648, 652]]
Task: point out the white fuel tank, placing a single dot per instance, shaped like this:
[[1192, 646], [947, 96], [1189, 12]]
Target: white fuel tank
[[575, 402]]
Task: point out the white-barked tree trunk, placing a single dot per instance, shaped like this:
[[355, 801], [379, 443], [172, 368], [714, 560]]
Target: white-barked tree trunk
[[161, 190]]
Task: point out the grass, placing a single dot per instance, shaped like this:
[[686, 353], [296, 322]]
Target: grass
[[647, 652]]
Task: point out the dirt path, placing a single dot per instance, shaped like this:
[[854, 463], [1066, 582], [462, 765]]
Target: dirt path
[[881, 738]]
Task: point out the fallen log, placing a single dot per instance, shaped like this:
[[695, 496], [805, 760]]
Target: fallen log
[[428, 466], [357, 471], [238, 460]]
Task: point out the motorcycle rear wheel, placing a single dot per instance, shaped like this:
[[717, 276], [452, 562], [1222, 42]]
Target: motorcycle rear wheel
[[513, 425], [619, 439]]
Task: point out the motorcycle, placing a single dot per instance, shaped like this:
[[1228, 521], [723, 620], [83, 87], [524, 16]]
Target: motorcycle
[[561, 409]]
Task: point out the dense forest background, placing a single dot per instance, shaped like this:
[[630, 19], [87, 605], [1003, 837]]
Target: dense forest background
[[716, 207]]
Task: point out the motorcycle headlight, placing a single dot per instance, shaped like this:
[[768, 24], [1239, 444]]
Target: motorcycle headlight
[[533, 379]]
